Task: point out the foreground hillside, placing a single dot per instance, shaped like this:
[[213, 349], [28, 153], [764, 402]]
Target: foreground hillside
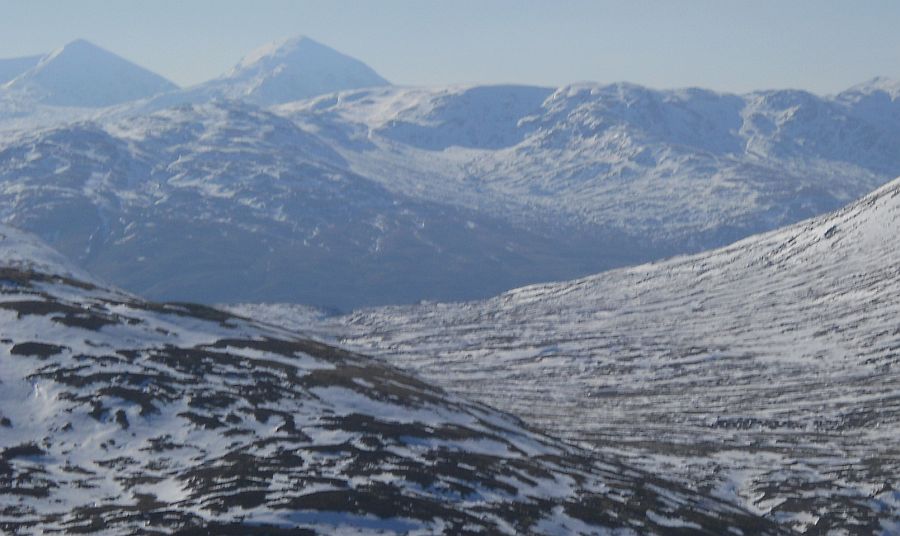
[[120, 416], [765, 373]]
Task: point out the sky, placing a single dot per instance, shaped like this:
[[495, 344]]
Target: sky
[[822, 46]]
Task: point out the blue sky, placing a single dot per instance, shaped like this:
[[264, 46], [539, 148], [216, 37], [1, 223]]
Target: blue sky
[[823, 45]]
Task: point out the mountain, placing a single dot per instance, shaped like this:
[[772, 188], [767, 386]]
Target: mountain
[[119, 415], [876, 101], [684, 169], [294, 69], [765, 373], [226, 202], [395, 195], [81, 74], [277, 73], [13, 67]]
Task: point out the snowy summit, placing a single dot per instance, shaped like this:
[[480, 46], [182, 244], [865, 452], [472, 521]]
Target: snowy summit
[[293, 69], [84, 75]]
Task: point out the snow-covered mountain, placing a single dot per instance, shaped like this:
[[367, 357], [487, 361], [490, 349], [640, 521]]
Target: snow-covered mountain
[[689, 168], [119, 415], [81, 74], [81, 81], [226, 202], [394, 195], [280, 72], [765, 373], [291, 70]]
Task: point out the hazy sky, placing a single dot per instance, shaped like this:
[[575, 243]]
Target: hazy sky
[[820, 45]]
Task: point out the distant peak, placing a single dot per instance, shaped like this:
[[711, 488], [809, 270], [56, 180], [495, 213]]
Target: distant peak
[[80, 43], [82, 74], [282, 49], [79, 48], [292, 69]]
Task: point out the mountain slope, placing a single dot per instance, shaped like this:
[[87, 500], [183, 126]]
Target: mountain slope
[[81, 74], [13, 67], [119, 415], [765, 372]]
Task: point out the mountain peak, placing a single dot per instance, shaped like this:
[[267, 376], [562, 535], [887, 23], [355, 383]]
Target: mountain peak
[[281, 49], [78, 51], [83, 74], [293, 69], [82, 44]]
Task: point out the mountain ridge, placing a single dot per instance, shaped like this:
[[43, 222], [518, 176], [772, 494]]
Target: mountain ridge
[[515, 184]]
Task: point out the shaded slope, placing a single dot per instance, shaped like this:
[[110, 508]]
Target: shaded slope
[[13, 67]]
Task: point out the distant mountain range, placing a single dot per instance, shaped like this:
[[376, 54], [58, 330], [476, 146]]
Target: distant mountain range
[[765, 373], [394, 195]]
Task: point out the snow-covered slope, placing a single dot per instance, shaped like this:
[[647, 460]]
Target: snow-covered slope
[[13, 67], [81, 74], [119, 416], [766, 372]]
